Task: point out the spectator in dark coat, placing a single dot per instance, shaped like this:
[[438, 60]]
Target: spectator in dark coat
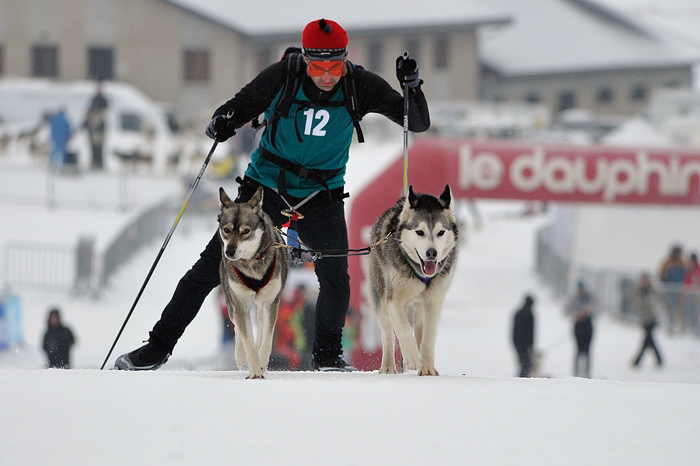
[[524, 336], [96, 125], [58, 340]]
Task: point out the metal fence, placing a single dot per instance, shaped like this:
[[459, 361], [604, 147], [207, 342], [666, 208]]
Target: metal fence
[[88, 190], [613, 289], [44, 266], [78, 268]]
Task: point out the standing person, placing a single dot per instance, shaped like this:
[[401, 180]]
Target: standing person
[[60, 134], [58, 340], [96, 126], [524, 336], [300, 163], [672, 274], [580, 308], [691, 291], [644, 299]]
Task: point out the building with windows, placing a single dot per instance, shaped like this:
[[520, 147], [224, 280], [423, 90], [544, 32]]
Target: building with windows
[[582, 54], [195, 54]]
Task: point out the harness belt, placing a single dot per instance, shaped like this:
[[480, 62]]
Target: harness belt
[[311, 174], [254, 284]]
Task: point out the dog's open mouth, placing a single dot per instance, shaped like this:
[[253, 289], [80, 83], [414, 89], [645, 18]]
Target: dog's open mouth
[[429, 267]]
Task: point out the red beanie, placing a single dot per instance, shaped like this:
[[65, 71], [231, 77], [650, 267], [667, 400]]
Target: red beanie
[[324, 34]]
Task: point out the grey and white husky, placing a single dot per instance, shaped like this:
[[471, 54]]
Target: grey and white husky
[[253, 270], [414, 267]]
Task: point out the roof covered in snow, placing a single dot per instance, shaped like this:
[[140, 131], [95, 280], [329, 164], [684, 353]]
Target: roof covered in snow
[[560, 36], [283, 17], [522, 38], [677, 17]]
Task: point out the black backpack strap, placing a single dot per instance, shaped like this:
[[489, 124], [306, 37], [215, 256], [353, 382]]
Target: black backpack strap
[[351, 100], [292, 82]]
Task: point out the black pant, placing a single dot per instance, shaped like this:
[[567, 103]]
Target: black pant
[[648, 343], [525, 358], [583, 331], [323, 227], [97, 156]]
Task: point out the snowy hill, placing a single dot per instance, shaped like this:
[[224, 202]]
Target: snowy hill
[[185, 418], [476, 412]]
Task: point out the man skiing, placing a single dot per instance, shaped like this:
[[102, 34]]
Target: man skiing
[[300, 164]]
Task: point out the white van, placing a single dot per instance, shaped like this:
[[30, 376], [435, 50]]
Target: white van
[[137, 127]]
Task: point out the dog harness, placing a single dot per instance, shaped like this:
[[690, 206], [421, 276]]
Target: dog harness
[[255, 284]]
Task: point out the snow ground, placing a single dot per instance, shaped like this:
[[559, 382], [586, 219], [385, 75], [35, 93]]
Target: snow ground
[[476, 412]]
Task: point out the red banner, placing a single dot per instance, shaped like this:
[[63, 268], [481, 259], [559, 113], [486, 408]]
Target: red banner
[[515, 170], [568, 173]]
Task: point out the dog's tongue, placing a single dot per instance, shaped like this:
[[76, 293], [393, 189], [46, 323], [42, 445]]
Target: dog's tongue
[[429, 267]]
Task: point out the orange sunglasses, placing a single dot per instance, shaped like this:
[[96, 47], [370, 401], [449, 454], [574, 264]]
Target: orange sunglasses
[[316, 68]]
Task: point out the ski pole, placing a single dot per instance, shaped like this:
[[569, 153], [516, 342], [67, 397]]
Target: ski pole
[[405, 151], [162, 249], [405, 133]]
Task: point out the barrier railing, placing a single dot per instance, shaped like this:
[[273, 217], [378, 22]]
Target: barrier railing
[[613, 288], [89, 190], [45, 266]]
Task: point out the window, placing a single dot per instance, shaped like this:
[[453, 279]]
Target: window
[[131, 122], [100, 63], [44, 61], [196, 65], [442, 53], [376, 56], [604, 95], [567, 99], [532, 97], [638, 92]]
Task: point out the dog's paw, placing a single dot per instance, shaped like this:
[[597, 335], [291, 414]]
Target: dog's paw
[[256, 374], [428, 371], [412, 360], [387, 370]]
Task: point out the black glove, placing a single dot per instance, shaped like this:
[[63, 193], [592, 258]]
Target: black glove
[[407, 71], [221, 127]]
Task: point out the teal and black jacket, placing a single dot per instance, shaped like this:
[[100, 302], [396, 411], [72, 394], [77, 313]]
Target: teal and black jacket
[[317, 131]]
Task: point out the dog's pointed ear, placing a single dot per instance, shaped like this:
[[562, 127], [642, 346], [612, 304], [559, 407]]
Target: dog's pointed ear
[[225, 200], [256, 201], [446, 198], [412, 198], [409, 204]]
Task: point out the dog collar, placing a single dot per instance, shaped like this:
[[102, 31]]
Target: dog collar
[[254, 284], [426, 280]]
